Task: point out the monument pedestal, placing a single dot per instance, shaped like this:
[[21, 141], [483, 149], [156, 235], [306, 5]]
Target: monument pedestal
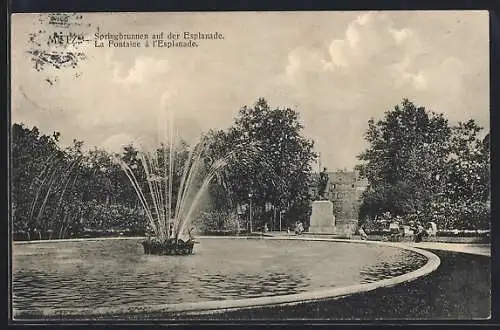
[[322, 219], [346, 228]]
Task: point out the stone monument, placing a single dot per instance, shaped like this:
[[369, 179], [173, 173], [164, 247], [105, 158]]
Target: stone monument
[[322, 219]]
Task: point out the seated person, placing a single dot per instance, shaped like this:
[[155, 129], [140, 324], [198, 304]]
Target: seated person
[[299, 228], [408, 232], [395, 230], [419, 233], [394, 227]]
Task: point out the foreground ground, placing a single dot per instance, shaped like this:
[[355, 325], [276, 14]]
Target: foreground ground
[[458, 289]]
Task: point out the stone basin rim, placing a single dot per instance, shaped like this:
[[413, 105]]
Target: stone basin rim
[[216, 306]]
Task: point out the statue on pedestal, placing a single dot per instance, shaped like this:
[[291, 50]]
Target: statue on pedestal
[[322, 184], [322, 219]]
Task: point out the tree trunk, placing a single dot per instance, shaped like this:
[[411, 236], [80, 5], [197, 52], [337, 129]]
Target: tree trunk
[[274, 218]]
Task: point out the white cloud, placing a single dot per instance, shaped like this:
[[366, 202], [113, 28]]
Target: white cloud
[[400, 36], [293, 65], [418, 80], [338, 56], [116, 142], [144, 68], [373, 67], [372, 47], [117, 94]]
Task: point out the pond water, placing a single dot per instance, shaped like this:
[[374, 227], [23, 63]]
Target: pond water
[[108, 273]]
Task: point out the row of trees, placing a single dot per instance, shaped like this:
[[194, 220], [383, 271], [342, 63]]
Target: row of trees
[[418, 166], [422, 168], [61, 191]]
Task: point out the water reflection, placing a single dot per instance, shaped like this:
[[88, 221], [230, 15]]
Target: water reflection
[[383, 269], [251, 285]]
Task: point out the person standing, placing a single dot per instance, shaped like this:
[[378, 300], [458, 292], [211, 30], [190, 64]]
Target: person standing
[[362, 233], [432, 231], [191, 236]]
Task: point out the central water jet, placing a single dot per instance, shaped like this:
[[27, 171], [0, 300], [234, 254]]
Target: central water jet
[[169, 212]]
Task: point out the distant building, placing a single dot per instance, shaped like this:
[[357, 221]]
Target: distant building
[[344, 189]]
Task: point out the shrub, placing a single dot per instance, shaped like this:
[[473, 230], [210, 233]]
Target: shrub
[[217, 221], [114, 216]]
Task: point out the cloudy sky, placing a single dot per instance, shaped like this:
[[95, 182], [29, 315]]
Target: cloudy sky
[[337, 68]]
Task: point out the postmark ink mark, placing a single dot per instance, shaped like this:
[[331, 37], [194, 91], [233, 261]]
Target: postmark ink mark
[[57, 44]]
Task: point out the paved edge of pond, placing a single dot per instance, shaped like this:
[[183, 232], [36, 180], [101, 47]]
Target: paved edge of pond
[[471, 248], [85, 239], [198, 308]]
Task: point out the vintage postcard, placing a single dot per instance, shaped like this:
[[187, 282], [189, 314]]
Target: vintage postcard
[[250, 166]]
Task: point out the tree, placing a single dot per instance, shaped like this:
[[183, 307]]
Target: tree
[[36, 163], [420, 166], [222, 193], [404, 158], [467, 195], [271, 159]]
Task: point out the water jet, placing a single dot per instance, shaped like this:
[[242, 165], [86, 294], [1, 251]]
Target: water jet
[[169, 212]]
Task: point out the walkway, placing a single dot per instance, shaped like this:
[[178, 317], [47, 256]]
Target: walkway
[[470, 248], [479, 249]]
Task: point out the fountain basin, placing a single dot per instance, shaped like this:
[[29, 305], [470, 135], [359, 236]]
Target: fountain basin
[[115, 279], [171, 247]]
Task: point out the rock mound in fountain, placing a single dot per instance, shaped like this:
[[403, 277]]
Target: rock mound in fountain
[[168, 247]]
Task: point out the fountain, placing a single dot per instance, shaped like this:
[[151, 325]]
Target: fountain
[[166, 220], [169, 213]]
